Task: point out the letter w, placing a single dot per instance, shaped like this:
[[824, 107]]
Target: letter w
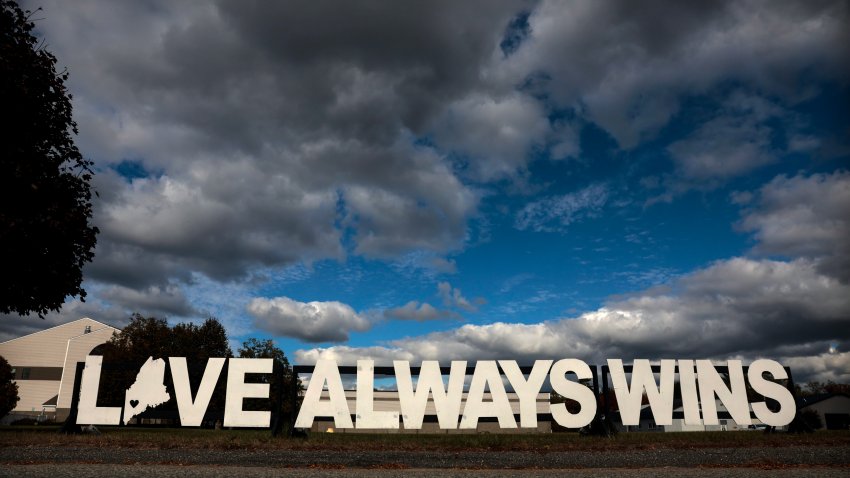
[[447, 404]]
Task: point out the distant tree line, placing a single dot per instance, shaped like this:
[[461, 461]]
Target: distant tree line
[[815, 387]]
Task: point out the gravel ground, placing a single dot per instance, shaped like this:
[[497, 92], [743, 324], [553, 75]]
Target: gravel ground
[[166, 471], [753, 457]]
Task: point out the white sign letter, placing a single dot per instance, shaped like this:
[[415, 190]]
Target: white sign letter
[[487, 375], [367, 417], [325, 371], [88, 413], [192, 412], [629, 398], [527, 391], [446, 404], [237, 390], [690, 399], [762, 386], [574, 391], [734, 398]]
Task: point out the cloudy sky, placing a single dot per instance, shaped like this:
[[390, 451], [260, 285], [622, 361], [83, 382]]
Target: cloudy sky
[[470, 180]]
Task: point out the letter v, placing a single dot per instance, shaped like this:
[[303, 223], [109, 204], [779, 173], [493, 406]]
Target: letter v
[[192, 412]]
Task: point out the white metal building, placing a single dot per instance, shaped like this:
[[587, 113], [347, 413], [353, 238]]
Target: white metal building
[[388, 401], [723, 425], [647, 422], [44, 364]]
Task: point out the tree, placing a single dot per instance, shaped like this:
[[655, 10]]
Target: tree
[[141, 338], [253, 348], [8, 388], [145, 337], [811, 419], [815, 387], [45, 192]]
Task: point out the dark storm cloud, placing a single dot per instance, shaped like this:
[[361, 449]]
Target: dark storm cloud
[[626, 65], [110, 304], [807, 217], [166, 301], [274, 126], [278, 130], [240, 71]]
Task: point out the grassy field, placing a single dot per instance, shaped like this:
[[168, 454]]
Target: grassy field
[[235, 439]]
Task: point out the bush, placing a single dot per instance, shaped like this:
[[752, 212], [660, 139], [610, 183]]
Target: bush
[[8, 389], [811, 419]]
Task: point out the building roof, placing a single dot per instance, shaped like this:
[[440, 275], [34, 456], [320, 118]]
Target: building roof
[[66, 324], [813, 399]]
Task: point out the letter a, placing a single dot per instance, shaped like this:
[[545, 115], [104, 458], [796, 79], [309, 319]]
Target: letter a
[[325, 371]]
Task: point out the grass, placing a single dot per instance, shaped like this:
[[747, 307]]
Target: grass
[[163, 438]]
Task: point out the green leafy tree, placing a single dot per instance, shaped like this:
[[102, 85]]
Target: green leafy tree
[[141, 338], [144, 337], [8, 388], [253, 348], [45, 193]]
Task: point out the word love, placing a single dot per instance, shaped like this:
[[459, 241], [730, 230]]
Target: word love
[[700, 388], [149, 390]]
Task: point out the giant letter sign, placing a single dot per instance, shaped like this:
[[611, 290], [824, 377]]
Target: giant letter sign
[[699, 381]]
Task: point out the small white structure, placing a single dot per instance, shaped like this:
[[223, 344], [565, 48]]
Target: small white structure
[[833, 408], [44, 364], [647, 422]]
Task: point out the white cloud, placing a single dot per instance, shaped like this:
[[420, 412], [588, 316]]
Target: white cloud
[[739, 307], [495, 134], [420, 312], [308, 321], [555, 213], [452, 297], [346, 355], [219, 226], [823, 367], [723, 147]]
